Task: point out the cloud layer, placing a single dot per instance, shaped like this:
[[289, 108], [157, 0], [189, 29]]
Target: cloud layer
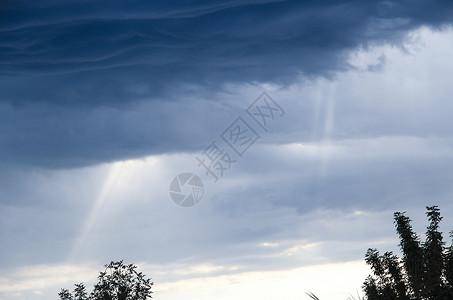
[[82, 83], [100, 107]]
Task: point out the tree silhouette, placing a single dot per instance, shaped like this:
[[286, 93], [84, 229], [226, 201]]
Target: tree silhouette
[[425, 270], [117, 282]]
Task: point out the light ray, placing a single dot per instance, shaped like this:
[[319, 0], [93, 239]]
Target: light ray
[[94, 217]]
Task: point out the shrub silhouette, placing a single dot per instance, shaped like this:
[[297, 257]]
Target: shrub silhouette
[[117, 282], [425, 270]]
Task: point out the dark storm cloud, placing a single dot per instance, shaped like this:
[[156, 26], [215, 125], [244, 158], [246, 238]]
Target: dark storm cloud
[[77, 57], [85, 52]]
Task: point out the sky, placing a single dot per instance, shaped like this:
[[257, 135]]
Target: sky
[[103, 105]]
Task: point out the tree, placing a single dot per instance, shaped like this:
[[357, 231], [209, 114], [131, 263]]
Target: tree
[[117, 282], [425, 270]]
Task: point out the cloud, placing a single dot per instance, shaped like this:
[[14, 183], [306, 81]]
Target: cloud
[[41, 281], [100, 107], [280, 195], [367, 141], [75, 75]]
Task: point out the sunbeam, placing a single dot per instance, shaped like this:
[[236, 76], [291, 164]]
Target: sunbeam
[[99, 205]]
